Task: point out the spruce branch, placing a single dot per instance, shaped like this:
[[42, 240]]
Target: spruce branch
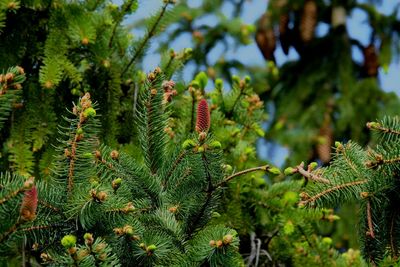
[[311, 176], [147, 38], [227, 179], [377, 126], [379, 160], [330, 190]]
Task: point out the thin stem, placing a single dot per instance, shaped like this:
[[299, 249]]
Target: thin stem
[[72, 161], [121, 16], [176, 163], [369, 218], [380, 161], [11, 230], [311, 176], [193, 111], [11, 195], [49, 206], [210, 190], [38, 227], [230, 112], [330, 190], [382, 129], [150, 34], [392, 239], [227, 179]]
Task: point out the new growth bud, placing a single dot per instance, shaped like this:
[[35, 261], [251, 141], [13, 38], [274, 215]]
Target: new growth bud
[[68, 241]]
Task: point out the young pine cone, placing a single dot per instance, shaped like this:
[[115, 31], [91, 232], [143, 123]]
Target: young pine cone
[[265, 37], [29, 204], [308, 21]]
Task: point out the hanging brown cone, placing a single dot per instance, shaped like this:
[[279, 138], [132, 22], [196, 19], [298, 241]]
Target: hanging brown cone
[[308, 21], [265, 37], [371, 61], [284, 32], [324, 143]]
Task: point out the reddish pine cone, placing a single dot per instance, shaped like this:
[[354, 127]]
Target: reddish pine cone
[[29, 204], [203, 117]]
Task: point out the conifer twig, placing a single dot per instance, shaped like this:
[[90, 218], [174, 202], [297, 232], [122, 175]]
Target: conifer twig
[[379, 127], [11, 230], [210, 191], [310, 175], [369, 218], [176, 163], [381, 161], [11, 195], [227, 179], [392, 241], [121, 16], [49, 206], [193, 111], [331, 189], [149, 35]]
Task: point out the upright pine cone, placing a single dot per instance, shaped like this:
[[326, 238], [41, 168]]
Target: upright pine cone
[[265, 37], [308, 21], [203, 117], [371, 61], [29, 204], [284, 32]]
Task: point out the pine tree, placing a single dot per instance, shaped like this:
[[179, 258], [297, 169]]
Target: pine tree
[[100, 206], [369, 178]]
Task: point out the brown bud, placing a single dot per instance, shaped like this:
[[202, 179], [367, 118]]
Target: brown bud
[[48, 85], [118, 231], [114, 154], [97, 154], [67, 153], [219, 243], [9, 77], [85, 41], [153, 92], [227, 239], [82, 254], [151, 76], [157, 70], [20, 70], [72, 250], [212, 243], [28, 184], [173, 209], [101, 196]]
